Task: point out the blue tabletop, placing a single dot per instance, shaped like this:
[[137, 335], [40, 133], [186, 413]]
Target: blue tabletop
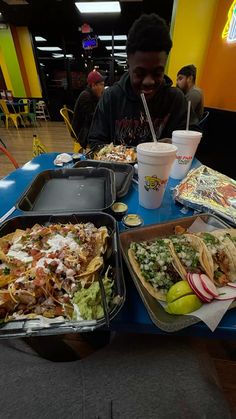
[[133, 316]]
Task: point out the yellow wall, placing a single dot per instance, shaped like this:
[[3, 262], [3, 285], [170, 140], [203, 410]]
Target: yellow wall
[[18, 63], [192, 24], [29, 61], [196, 30], [219, 72]]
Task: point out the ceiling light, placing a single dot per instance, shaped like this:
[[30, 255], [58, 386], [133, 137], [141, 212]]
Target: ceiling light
[[120, 54], [99, 7], [62, 55], [116, 37], [117, 47], [39, 39], [43, 65], [49, 48]]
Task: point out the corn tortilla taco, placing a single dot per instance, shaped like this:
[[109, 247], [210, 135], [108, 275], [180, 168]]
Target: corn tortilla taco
[[218, 258], [191, 255], [155, 266]]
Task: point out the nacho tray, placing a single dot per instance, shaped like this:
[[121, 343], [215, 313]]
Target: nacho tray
[[123, 173], [69, 190], [43, 326], [165, 321], [97, 147]]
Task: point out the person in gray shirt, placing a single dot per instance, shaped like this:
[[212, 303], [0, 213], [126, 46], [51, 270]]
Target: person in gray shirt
[[186, 78]]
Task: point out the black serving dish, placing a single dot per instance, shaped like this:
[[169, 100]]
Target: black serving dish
[[112, 257], [166, 322], [70, 190], [91, 154], [123, 173]]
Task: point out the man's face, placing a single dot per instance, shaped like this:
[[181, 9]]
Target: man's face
[[182, 82], [98, 88], [146, 71]]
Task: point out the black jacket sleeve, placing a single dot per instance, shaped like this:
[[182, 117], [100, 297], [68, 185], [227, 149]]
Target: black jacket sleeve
[[83, 114], [178, 115], [101, 129]]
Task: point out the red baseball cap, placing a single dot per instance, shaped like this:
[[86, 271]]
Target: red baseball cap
[[94, 77]]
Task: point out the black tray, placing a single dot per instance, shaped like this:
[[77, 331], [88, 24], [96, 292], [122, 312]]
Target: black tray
[[165, 321], [36, 327], [123, 173], [70, 190], [94, 149]]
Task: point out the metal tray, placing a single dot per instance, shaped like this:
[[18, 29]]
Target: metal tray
[[37, 327], [94, 149], [165, 321], [70, 190], [123, 173]]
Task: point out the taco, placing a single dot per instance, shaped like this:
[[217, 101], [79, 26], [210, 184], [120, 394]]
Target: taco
[[155, 266], [227, 238], [191, 255], [218, 258]]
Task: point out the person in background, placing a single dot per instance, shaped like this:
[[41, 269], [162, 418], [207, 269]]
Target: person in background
[[86, 105], [186, 78], [120, 116]]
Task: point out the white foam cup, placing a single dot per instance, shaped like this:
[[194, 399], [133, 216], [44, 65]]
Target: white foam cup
[[154, 164], [187, 143]]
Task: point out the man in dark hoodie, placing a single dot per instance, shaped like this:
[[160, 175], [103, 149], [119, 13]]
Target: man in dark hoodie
[[85, 106], [120, 115]]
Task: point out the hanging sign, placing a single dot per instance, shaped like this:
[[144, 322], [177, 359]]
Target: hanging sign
[[89, 43]]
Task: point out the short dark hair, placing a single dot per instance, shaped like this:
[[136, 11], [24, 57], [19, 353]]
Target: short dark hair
[[188, 70], [149, 33]]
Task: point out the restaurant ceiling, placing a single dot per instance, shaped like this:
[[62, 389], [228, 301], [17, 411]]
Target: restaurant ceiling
[[59, 21]]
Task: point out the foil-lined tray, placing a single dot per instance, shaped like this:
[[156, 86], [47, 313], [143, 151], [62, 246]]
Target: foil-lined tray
[[207, 190]]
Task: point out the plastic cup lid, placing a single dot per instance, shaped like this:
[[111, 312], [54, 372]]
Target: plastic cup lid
[[160, 149], [186, 133]]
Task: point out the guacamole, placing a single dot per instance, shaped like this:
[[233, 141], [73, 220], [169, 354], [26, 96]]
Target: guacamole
[[89, 300]]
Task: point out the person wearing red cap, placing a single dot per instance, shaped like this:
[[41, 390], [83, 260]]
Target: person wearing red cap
[[85, 106]]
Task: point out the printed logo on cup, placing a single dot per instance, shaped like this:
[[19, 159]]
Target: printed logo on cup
[[184, 159], [153, 182]]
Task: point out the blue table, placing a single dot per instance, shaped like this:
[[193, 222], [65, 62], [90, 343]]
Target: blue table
[[133, 316]]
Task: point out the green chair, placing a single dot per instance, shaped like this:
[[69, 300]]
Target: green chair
[[29, 111]]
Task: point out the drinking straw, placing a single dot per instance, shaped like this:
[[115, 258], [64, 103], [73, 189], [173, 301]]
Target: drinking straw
[[188, 115], [148, 117]]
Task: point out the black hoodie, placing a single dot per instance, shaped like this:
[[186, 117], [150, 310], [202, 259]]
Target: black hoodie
[[120, 116]]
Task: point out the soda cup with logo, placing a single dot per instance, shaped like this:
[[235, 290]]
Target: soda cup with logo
[[154, 164], [186, 142]]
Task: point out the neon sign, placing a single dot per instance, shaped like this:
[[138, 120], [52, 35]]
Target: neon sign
[[229, 31]]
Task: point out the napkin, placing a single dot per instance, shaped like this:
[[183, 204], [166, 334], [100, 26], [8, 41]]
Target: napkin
[[62, 158]]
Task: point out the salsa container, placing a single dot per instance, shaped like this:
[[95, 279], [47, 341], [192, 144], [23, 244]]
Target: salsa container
[[70, 190], [165, 321], [123, 173], [41, 327]]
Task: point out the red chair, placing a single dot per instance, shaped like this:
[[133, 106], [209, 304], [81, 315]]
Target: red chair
[[11, 158]]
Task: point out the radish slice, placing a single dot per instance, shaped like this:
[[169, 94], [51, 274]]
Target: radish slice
[[232, 284], [226, 293], [195, 283], [208, 285]]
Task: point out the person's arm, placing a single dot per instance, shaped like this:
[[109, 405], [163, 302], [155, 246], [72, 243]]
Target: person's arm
[[83, 115], [178, 115], [100, 130]]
